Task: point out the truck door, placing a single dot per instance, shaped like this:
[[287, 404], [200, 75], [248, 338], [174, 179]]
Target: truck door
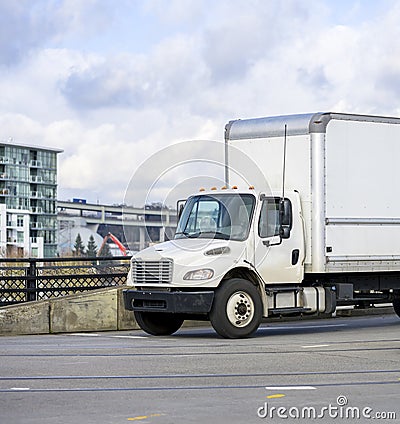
[[279, 240]]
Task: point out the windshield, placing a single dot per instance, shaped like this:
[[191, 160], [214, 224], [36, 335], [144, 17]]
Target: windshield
[[219, 216]]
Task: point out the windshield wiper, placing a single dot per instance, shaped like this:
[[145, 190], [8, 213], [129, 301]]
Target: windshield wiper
[[216, 234], [183, 233]]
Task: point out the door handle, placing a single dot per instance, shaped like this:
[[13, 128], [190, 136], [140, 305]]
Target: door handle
[[295, 256]]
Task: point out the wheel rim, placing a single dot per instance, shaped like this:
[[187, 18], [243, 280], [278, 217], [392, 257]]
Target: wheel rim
[[240, 309]]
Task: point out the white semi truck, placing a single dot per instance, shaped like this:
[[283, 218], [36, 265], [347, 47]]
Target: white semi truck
[[321, 229]]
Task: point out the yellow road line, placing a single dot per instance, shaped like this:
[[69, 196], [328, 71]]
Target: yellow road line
[[277, 396], [144, 417]]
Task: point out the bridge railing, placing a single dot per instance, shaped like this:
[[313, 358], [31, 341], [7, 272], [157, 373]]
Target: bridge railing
[[25, 280]]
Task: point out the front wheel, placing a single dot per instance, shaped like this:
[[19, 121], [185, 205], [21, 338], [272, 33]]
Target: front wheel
[[396, 306], [237, 309], [158, 324]]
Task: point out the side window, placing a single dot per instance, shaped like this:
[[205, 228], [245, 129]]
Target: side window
[[269, 224]]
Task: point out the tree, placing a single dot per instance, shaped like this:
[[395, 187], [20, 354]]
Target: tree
[[91, 249], [79, 248]]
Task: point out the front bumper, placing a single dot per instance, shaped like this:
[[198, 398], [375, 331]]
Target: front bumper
[[173, 302]]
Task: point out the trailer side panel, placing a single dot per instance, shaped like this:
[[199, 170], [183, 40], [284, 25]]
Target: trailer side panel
[[362, 202]]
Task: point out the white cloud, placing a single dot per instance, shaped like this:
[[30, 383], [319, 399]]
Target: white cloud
[[20, 128], [176, 12], [166, 75], [205, 63]]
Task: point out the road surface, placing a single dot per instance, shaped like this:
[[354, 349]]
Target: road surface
[[324, 370]]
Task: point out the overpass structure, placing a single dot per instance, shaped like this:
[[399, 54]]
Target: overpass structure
[[140, 225]]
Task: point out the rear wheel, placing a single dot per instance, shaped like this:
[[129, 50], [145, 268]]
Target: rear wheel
[[158, 324], [396, 306], [237, 309]]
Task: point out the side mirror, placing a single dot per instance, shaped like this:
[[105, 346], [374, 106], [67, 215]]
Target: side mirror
[[284, 232], [180, 204], [285, 215]]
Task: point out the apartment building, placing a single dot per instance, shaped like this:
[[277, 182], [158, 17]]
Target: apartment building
[[28, 195]]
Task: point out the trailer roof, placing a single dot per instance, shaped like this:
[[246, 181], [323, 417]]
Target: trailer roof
[[296, 124]]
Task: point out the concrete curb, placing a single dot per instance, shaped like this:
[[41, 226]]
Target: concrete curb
[[102, 310]]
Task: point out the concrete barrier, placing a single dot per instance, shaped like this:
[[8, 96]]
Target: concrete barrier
[[98, 310], [28, 318]]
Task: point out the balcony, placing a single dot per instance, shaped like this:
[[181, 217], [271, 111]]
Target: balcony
[[4, 191], [3, 159], [36, 225], [4, 176], [40, 195], [36, 209], [36, 179], [35, 164]]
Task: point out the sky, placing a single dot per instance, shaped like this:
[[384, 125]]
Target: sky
[[114, 82]]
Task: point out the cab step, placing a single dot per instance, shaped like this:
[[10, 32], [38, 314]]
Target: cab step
[[288, 311]]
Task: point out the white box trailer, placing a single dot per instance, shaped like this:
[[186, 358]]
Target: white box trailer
[[320, 228], [346, 169]]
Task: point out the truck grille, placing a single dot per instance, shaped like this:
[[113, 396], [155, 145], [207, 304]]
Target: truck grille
[[150, 272]]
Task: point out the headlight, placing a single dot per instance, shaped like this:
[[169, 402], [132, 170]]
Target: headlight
[[199, 274], [218, 251]]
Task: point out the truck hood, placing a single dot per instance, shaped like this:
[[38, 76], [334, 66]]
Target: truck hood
[[191, 254], [188, 249]]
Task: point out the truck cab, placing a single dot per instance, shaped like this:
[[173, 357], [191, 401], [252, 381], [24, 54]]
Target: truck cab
[[223, 264]]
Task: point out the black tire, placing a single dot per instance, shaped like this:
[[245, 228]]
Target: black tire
[[396, 306], [158, 324], [237, 309]]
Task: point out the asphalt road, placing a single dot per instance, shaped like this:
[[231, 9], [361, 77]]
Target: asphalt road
[[328, 370]]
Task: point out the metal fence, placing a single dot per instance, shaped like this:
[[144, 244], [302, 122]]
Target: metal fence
[[25, 280]]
